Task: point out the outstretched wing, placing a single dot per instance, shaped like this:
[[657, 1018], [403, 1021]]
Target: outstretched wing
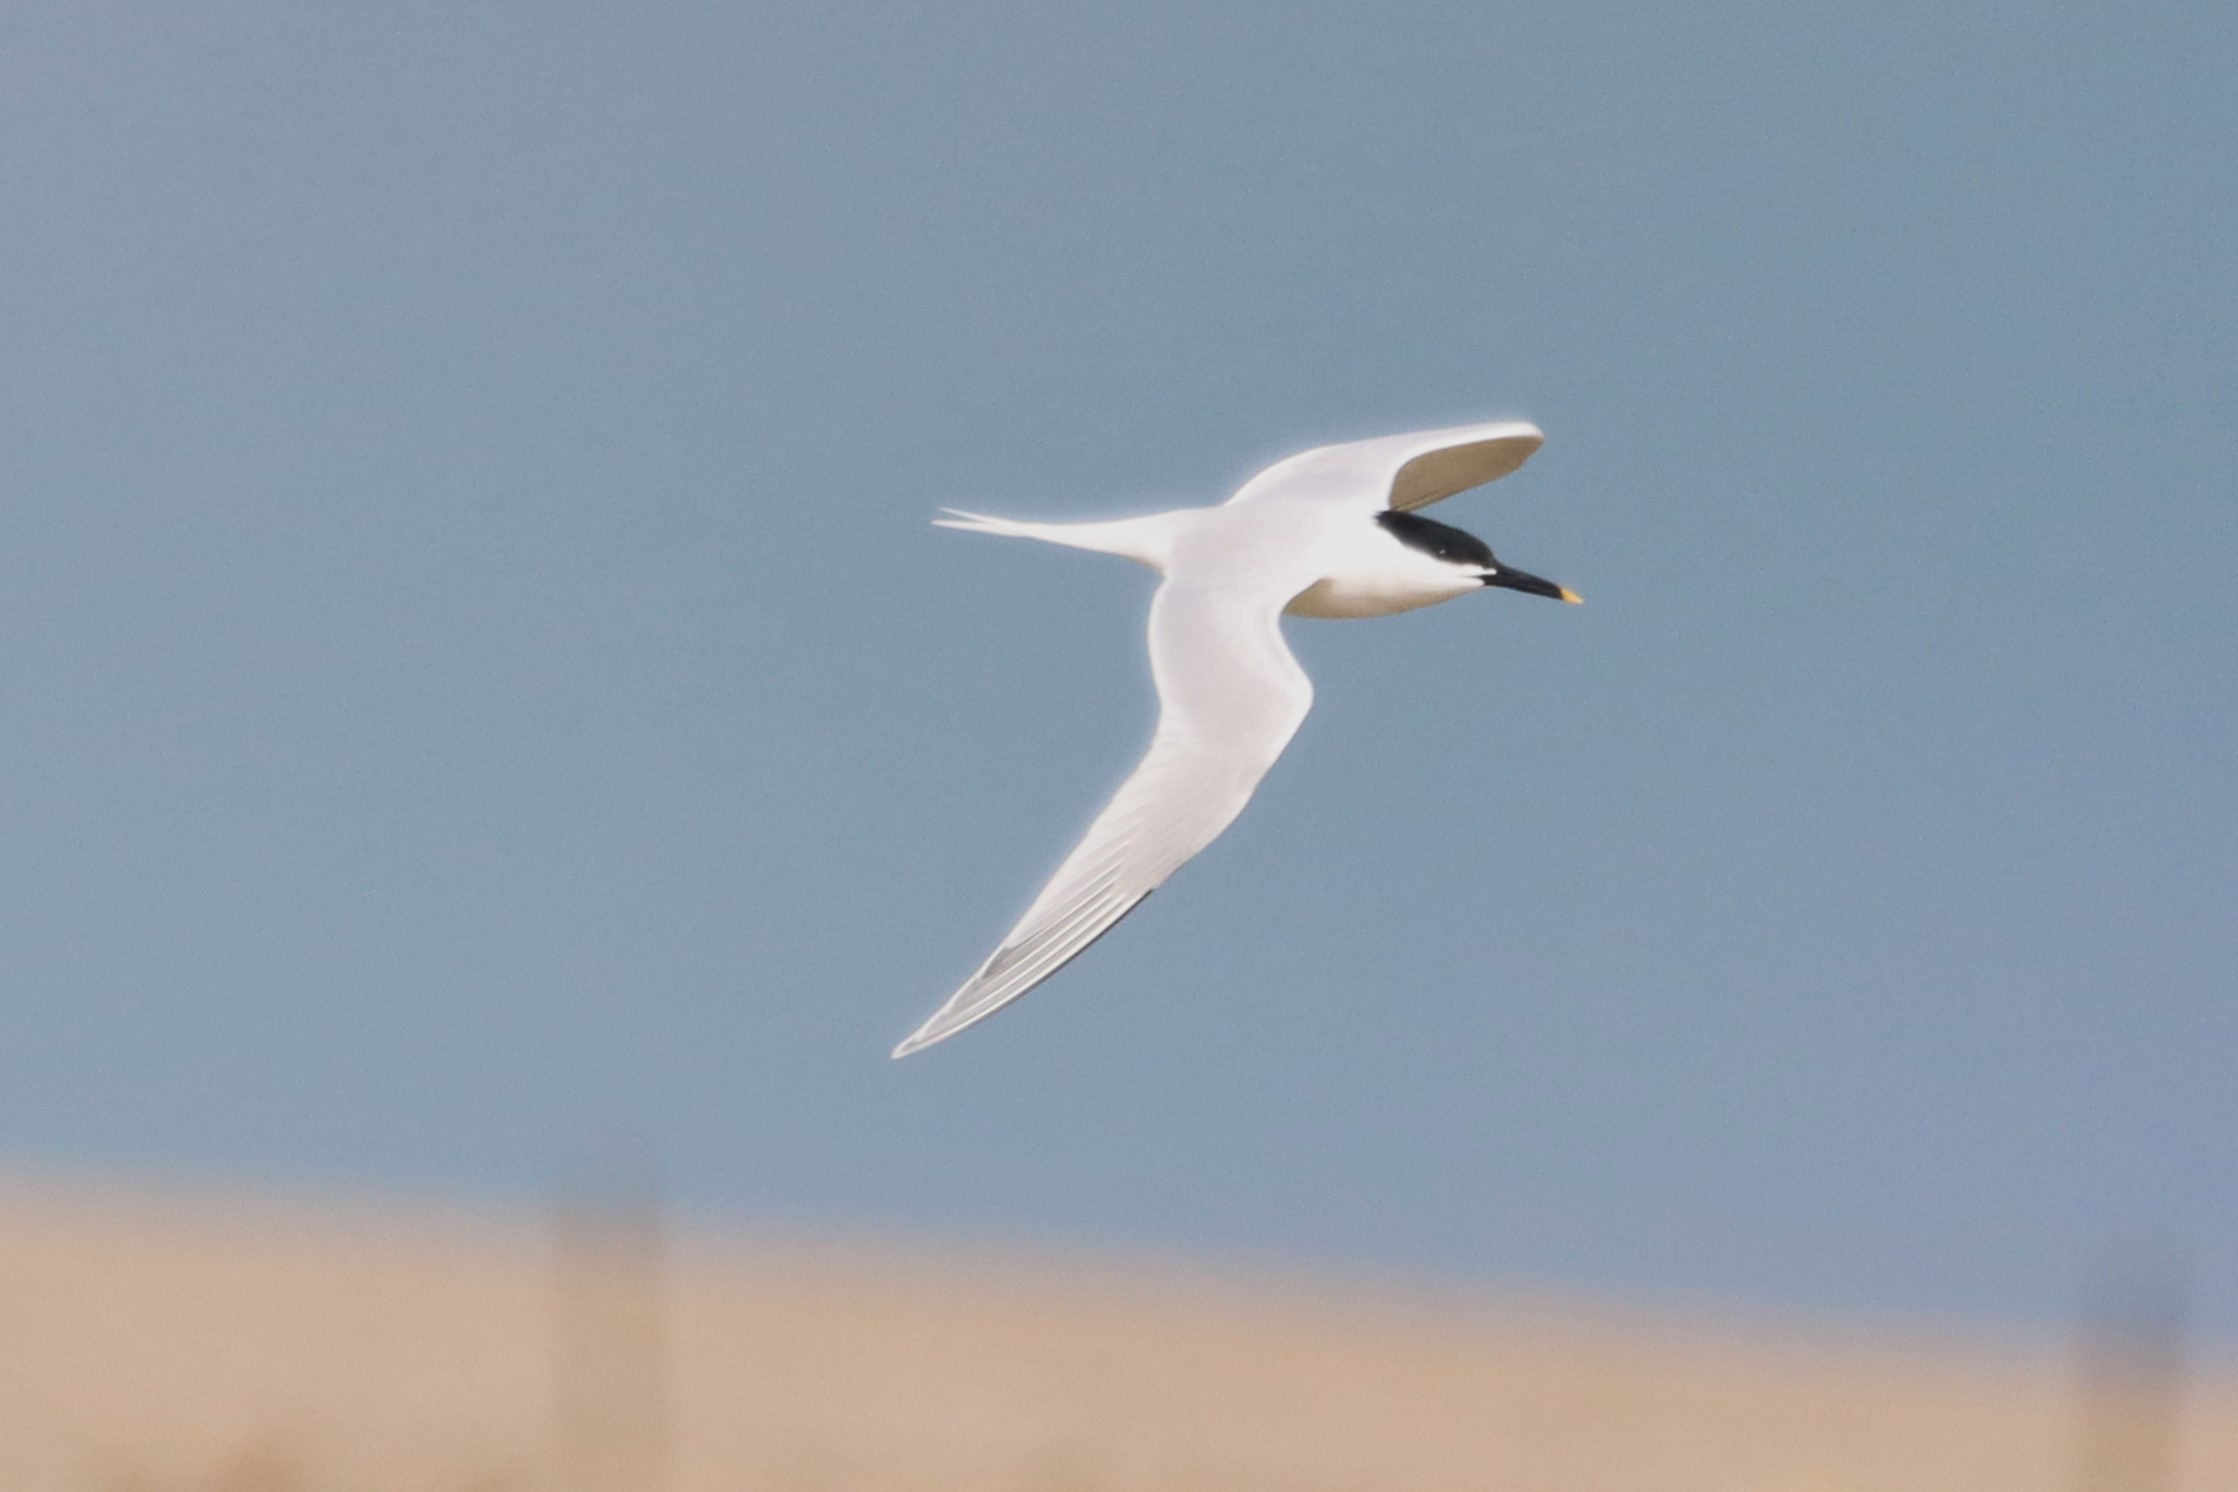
[[1398, 471], [1230, 696]]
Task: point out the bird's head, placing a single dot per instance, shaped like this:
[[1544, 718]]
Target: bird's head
[[1467, 554]]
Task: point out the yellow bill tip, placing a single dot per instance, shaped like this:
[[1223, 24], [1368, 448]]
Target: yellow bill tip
[[1572, 597]]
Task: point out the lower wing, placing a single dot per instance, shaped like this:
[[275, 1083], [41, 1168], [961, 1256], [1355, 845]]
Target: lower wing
[[1230, 696]]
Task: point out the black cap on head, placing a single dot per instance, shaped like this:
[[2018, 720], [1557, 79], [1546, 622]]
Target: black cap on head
[[1440, 539]]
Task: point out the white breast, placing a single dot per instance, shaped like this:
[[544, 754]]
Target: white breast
[[1373, 574]]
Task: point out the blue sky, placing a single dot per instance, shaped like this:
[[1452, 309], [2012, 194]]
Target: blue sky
[[482, 687]]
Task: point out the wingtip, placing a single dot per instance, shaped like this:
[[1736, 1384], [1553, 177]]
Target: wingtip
[[917, 1040]]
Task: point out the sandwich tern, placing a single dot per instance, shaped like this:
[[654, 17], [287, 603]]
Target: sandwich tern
[[1330, 532]]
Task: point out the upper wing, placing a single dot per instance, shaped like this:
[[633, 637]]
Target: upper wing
[[1399, 471], [1230, 697]]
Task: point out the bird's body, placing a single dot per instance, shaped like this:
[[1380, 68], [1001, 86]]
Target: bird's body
[[1329, 532]]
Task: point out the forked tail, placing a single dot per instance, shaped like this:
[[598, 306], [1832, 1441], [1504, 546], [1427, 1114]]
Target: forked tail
[[1146, 541]]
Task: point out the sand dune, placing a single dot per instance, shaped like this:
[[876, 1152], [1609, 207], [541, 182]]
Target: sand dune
[[152, 1345]]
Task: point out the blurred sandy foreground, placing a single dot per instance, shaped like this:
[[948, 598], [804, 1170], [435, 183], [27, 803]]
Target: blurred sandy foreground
[[151, 1344]]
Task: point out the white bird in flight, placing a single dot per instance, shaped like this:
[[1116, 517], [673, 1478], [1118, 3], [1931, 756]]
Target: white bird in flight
[[1329, 532]]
